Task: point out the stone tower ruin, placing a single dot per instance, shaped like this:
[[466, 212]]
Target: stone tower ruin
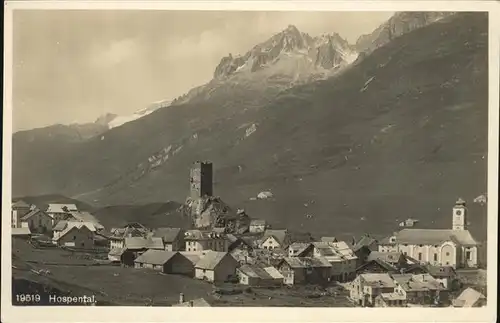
[[201, 180]]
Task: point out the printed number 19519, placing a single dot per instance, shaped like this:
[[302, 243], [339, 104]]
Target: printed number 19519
[[28, 298]]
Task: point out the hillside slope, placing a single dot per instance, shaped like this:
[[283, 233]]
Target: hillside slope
[[400, 134]]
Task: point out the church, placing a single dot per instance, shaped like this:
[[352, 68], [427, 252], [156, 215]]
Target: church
[[440, 247]]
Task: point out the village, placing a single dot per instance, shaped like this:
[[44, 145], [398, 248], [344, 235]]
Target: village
[[411, 267]]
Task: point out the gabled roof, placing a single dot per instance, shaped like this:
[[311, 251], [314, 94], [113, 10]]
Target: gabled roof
[[202, 235], [116, 251], [328, 239], [381, 263], [20, 205], [365, 241], [156, 257], [143, 243], [299, 247], [60, 226], [435, 236], [76, 226], [61, 208], [344, 250], [279, 235], [273, 272], [395, 296], [33, 213], [258, 222], [378, 280], [212, 259], [441, 271], [193, 256], [468, 298], [414, 283], [389, 257], [307, 262], [387, 241], [168, 235], [255, 271], [84, 216], [21, 231]]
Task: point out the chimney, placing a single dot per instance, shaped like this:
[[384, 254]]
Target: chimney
[[181, 298]]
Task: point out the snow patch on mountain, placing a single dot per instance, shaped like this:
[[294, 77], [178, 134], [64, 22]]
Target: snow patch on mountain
[[121, 120]]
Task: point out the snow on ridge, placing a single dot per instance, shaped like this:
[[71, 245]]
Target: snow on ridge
[[121, 120]]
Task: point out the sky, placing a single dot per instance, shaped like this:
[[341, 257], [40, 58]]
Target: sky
[[74, 66]]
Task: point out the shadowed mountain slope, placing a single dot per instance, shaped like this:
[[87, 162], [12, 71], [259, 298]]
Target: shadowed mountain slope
[[401, 133]]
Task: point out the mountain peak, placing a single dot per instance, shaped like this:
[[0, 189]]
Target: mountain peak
[[288, 45]]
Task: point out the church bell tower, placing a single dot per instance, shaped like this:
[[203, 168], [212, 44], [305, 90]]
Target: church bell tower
[[460, 215]]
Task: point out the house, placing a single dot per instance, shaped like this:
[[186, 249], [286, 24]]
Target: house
[[421, 289], [388, 244], [168, 262], [340, 256], [134, 247], [377, 266], [470, 298], [83, 216], [141, 243], [216, 267], [197, 240], [60, 211], [446, 275], [441, 247], [194, 256], [300, 249], [257, 226], [64, 225], [395, 299], [23, 233], [366, 287], [118, 235], [275, 239], [77, 235], [19, 209], [173, 238], [38, 221], [241, 250], [364, 247], [115, 255], [304, 270], [396, 259], [366, 241], [254, 275]]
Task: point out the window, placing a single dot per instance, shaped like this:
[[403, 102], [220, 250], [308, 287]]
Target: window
[[468, 255], [74, 237], [447, 253], [419, 256], [435, 257]]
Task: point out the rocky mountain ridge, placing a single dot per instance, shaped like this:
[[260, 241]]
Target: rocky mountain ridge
[[399, 24]]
